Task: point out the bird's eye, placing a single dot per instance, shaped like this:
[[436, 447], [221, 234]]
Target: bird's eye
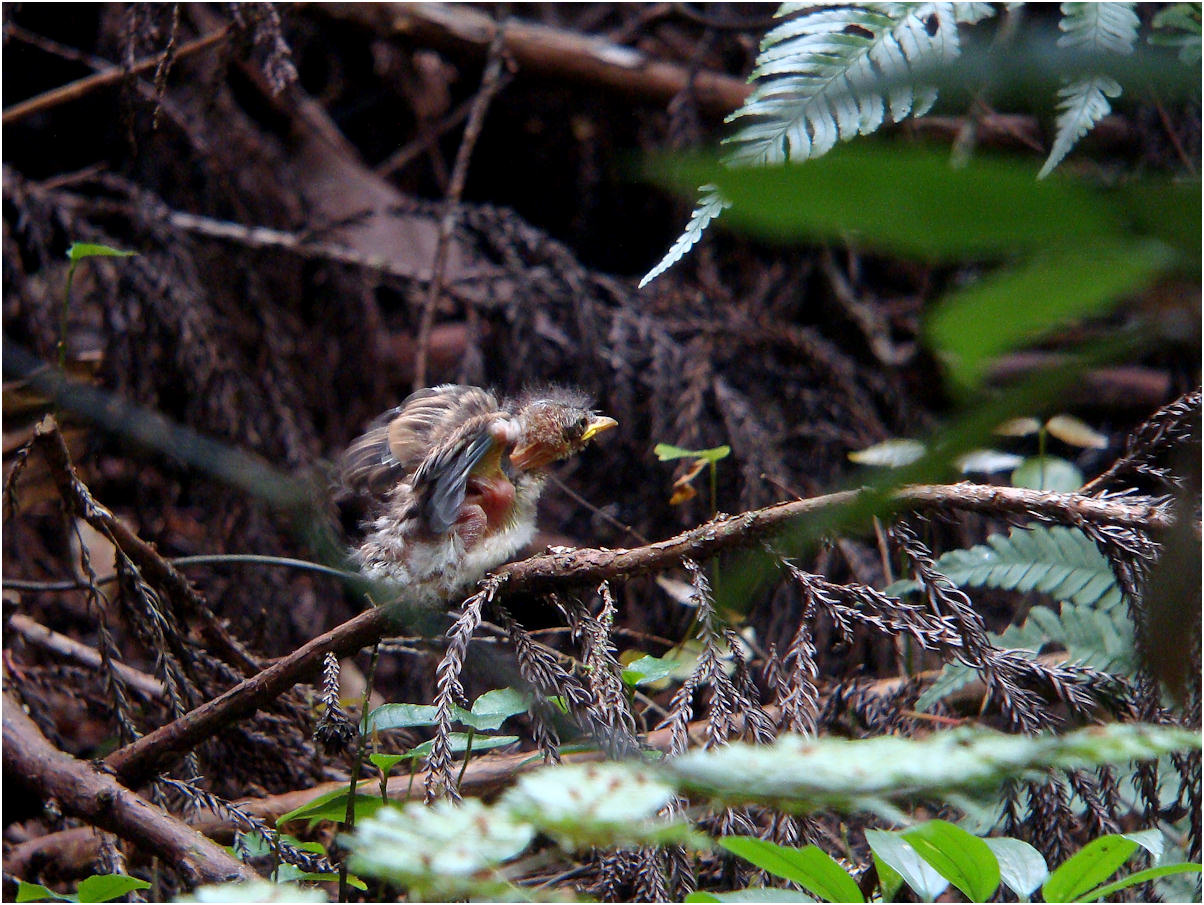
[[581, 425]]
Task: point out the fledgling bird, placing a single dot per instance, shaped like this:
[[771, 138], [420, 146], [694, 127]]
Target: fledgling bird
[[456, 477]]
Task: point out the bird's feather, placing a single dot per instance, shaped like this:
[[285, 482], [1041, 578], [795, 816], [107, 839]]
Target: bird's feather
[[441, 482], [397, 442]]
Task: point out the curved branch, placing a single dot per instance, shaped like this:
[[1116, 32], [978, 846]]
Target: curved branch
[[561, 568], [83, 790]]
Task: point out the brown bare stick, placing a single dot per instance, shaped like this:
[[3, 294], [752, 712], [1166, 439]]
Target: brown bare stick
[[38, 635], [141, 759], [490, 83], [109, 76], [548, 51], [82, 790], [50, 441]]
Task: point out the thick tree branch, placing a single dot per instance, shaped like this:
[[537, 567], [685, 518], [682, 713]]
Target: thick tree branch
[[74, 850], [138, 761], [548, 51], [82, 790]]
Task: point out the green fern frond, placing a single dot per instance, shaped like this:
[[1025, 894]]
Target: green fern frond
[[818, 81], [817, 76], [1103, 28], [1062, 562], [1101, 639], [710, 206], [1058, 561]]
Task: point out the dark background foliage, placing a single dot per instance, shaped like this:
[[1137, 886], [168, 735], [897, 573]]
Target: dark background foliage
[[308, 120]]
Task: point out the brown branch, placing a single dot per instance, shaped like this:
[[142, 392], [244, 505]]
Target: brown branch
[[74, 850], [490, 84], [66, 648], [83, 790], [158, 570], [109, 76], [138, 761], [1120, 387], [567, 55], [548, 51]]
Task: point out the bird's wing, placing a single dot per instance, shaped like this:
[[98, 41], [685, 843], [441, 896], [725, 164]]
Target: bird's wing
[[441, 481], [398, 441]]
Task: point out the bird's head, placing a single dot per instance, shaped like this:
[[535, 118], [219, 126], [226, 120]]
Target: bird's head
[[555, 424]]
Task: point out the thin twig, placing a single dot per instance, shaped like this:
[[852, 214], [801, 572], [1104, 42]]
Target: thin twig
[[1173, 135], [49, 439], [110, 76], [358, 763], [69, 649], [20, 584], [490, 83], [602, 514]]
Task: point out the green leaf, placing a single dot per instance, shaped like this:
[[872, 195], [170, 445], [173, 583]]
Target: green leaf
[[385, 762], [1092, 865], [964, 860], [811, 867], [987, 461], [488, 712], [889, 879], [1152, 840], [459, 744], [1021, 867], [32, 892], [492, 709], [1142, 876], [752, 894], [905, 201], [80, 250], [1047, 473], [250, 845], [893, 850], [808, 773], [1182, 24], [582, 805], [106, 887], [290, 873], [1019, 427], [890, 453], [439, 851], [401, 716], [1004, 310], [650, 669], [332, 806], [667, 453], [1166, 210], [1059, 561]]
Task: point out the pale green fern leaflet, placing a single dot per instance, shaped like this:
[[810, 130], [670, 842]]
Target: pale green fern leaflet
[[1096, 28], [819, 78]]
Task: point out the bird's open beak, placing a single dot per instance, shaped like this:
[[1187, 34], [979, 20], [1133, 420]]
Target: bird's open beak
[[597, 425]]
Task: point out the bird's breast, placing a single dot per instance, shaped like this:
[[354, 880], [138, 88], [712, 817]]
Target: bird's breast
[[495, 496]]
